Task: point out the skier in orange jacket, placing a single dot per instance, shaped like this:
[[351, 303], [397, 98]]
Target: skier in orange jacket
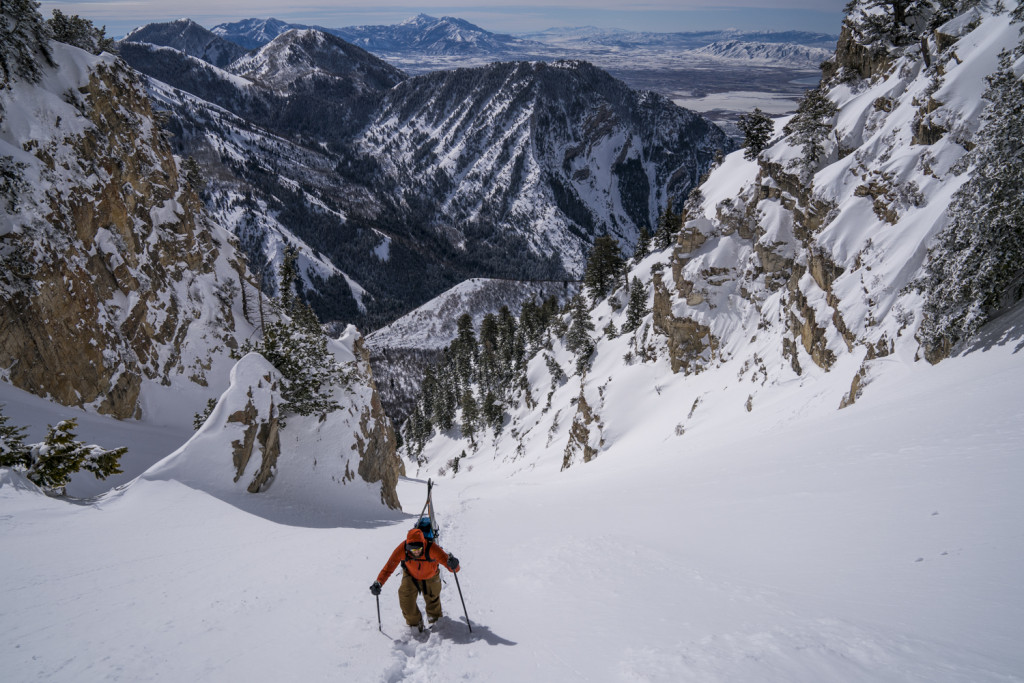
[[419, 561]]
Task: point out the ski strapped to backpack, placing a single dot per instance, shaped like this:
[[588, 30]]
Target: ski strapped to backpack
[[427, 522]]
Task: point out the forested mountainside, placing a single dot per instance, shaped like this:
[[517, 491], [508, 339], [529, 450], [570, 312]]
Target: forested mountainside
[[401, 352], [847, 244], [191, 38], [398, 188]]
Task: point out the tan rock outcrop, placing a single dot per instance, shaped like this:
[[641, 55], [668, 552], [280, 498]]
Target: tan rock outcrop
[[109, 248]]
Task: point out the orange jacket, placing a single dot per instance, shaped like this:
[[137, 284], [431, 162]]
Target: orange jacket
[[421, 568]]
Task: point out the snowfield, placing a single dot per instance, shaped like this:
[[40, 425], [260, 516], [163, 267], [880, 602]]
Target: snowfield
[[881, 542]]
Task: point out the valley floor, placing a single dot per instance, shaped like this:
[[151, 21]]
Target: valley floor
[[882, 542]]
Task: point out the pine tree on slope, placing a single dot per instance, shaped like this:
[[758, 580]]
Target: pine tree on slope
[[637, 308], [757, 129], [605, 267], [23, 41], [976, 267], [577, 338]]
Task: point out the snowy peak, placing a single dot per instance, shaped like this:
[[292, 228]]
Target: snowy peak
[[428, 35], [254, 33], [189, 37], [301, 53]]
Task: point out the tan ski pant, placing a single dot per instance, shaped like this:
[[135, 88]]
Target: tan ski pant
[[408, 591]]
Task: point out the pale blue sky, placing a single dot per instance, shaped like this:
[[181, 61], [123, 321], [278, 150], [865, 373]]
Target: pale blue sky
[[120, 16]]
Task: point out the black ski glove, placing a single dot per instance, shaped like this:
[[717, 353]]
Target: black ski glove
[[453, 562], [375, 588]]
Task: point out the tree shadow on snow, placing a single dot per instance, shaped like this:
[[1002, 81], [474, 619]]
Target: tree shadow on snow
[[1006, 329]]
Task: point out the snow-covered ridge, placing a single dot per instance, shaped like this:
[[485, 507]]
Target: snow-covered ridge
[[799, 56], [433, 325]]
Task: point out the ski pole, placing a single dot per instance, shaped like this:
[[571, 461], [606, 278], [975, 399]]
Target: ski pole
[[380, 626], [463, 602]]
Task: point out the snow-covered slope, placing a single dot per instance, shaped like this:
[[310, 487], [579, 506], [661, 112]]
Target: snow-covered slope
[[401, 352], [789, 270], [433, 325], [312, 470], [876, 543]]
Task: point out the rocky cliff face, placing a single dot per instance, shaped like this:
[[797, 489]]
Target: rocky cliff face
[[113, 275]]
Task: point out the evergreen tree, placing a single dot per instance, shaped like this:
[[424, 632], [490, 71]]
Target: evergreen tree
[[578, 339], [604, 268], [493, 413], [757, 129], [464, 350], [442, 404], [288, 274], [637, 308], [23, 41], [51, 463], [643, 245], [489, 362], [295, 344], [13, 451], [192, 172], [899, 22], [470, 415], [976, 267], [811, 126], [74, 30], [668, 225]]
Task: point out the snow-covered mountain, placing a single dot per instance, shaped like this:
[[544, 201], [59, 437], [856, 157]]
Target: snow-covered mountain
[[189, 37], [755, 532], [440, 176], [751, 52], [310, 55], [547, 155], [421, 34], [115, 281], [254, 33]]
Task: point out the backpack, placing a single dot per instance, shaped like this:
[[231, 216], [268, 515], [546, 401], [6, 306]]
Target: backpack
[[425, 525]]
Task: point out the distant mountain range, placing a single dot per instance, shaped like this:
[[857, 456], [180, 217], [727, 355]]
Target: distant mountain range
[[395, 188], [449, 36], [422, 34]]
